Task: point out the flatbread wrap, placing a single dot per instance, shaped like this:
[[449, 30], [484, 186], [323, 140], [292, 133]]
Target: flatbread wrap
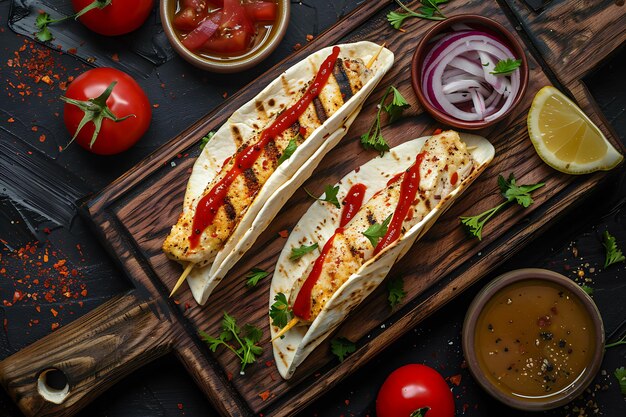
[[263, 153], [387, 204]]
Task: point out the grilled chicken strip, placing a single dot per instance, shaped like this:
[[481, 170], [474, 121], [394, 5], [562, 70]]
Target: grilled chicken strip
[[445, 165], [349, 76]]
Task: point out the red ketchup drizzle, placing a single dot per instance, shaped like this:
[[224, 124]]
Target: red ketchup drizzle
[[209, 204], [352, 203], [408, 190]]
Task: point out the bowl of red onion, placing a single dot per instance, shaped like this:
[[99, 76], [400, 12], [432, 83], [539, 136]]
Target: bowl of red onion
[[469, 72]]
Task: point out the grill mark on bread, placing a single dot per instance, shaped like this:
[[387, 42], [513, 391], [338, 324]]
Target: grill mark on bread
[[252, 182], [342, 80], [319, 110], [231, 213], [236, 135]]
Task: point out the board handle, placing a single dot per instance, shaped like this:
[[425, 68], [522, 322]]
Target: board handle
[[61, 373]]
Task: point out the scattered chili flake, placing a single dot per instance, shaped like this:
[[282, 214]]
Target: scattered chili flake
[[10, 120], [456, 379], [225, 94], [115, 57], [437, 131], [309, 37], [54, 326], [42, 138], [54, 312], [156, 105], [297, 46], [34, 128], [180, 406], [46, 79], [265, 395], [284, 234]]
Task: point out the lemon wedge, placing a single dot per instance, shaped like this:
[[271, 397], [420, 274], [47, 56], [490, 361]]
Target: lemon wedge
[[565, 138]]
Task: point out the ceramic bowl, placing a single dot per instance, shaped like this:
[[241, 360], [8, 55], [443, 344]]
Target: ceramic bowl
[[229, 64], [552, 400], [476, 22]]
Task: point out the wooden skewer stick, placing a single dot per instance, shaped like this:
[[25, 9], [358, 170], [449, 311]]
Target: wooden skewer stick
[[285, 329], [182, 278], [375, 57]]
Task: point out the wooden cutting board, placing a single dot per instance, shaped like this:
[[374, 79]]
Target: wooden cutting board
[[133, 215]]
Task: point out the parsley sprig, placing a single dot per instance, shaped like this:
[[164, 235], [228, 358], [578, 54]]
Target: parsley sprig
[[377, 231], [428, 10], [280, 311], [613, 253], [620, 374], [255, 275], [44, 19], [205, 139], [511, 192], [506, 66], [373, 138], [289, 149], [330, 195], [395, 288], [342, 347], [587, 289], [297, 253], [621, 341], [247, 338]]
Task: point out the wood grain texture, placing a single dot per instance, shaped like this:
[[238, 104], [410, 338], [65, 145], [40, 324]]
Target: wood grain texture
[[133, 215], [94, 353]]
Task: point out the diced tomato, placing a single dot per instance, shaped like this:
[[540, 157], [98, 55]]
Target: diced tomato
[[261, 11], [197, 37], [194, 4], [239, 41], [186, 20], [235, 15]]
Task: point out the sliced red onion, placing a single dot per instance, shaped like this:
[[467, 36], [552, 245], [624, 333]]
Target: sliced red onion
[[453, 73]]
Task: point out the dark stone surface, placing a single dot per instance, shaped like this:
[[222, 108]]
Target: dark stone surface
[[39, 187]]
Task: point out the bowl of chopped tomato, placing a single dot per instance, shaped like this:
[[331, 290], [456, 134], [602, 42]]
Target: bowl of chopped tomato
[[225, 35]]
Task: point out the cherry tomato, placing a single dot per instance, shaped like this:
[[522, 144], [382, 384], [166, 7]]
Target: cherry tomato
[[127, 98], [412, 387], [117, 18]]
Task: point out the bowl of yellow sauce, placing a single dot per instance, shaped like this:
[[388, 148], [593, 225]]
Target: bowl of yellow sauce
[[533, 339]]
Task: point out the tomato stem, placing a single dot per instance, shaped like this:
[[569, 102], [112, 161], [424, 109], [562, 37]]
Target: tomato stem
[[44, 19], [96, 110], [420, 412]]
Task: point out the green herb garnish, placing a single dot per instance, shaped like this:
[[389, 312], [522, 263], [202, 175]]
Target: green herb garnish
[[620, 374], [506, 66], [280, 312], [297, 253], [330, 195], [587, 289], [377, 231], [395, 288], [289, 150], [254, 276], [247, 338], [511, 192], [613, 253], [374, 139], [428, 10], [342, 347], [205, 139], [621, 341]]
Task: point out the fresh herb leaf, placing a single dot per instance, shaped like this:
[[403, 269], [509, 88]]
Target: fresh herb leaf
[[206, 139], [330, 195], [613, 253], [289, 150], [587, 289], [397, 106], [420, 412], [373, 138], [254, 276], [42, 22], [511, 192], [377, 231], [622, 341], [620, 374], [247, 339], [280, 312], [429, 10], [506, 66], [297, 253], [342, 347], [395, 288]]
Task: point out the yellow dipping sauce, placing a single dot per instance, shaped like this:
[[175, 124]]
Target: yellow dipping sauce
[[534, 339]]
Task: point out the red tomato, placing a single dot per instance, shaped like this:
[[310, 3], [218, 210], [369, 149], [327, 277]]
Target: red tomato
[[238, 41], [412, 387], [264, 11], [187, 19], [126, 98], [197, 37], [117, 18]]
